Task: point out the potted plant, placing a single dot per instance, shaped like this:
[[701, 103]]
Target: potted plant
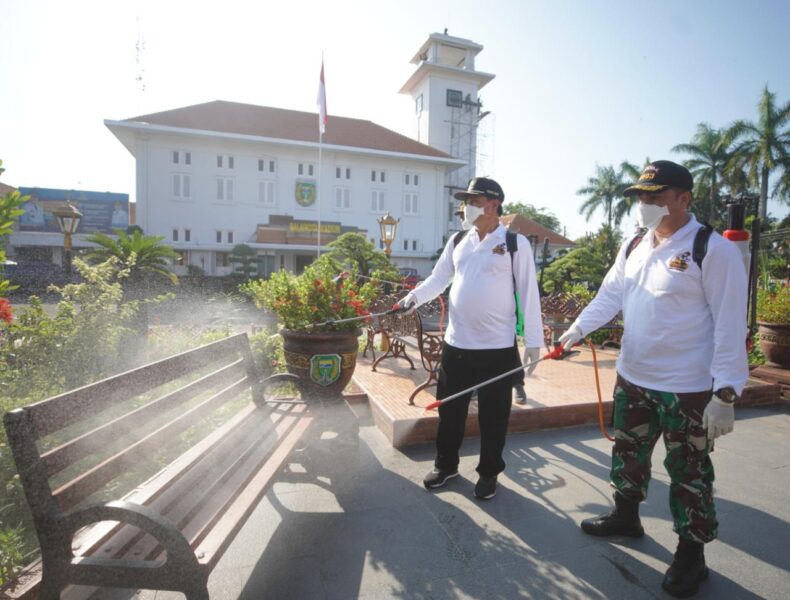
[[773, 320], [318, 350]]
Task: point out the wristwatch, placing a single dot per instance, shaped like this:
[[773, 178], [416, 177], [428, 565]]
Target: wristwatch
[[726, 394]]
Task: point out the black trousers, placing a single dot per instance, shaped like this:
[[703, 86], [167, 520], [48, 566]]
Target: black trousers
[[459, 370]]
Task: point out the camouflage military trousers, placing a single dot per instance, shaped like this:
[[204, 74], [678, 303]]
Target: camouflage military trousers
[[640, 416]]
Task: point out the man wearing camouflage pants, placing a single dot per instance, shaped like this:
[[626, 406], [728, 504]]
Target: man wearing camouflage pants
[[684, 337]]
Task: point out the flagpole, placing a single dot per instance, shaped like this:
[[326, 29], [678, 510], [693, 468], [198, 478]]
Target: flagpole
[[318, 188], [321, 101]]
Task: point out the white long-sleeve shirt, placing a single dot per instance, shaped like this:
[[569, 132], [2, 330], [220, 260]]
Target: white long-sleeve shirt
[[684, 330], [482, 304]]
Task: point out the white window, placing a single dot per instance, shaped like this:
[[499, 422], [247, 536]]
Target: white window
[[412, 179], [405, 244], [377, 198], [414, 245], [377, 174], [175, 235], [175, 157], [219, 236], [410, 203], [266, 193], [225, 189], [342, 172], [219, 161], [310, 170], [342, 198], [187, 235], [229, 237], [181, 185], [306, 168], [267, 164], [230, 162], [187, 158]]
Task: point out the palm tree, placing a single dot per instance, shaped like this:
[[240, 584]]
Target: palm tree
[[763, 147], [137, 252], [709, 157], [605, 192], [141, 255]]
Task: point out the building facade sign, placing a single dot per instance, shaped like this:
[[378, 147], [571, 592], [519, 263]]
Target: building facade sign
[[305, 193], [312, 227]]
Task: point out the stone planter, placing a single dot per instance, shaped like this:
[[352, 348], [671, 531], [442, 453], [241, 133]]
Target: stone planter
[[324, 361], [775, 344]]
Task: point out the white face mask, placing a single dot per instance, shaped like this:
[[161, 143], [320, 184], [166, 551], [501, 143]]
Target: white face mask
[[650, 215], [471, 214]]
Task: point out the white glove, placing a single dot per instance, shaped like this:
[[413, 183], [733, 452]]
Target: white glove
[[571, 337], [408, 304], [531, 355], [719, 417]]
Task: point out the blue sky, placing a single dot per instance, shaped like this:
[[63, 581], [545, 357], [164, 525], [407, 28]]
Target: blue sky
[[577, 82]]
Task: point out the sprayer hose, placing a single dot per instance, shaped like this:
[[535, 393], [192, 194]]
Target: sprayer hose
[[600, 400]]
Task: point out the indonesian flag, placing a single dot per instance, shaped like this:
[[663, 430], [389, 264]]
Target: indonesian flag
[[321, 101]]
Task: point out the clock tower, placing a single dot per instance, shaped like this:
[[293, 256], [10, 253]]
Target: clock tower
[[448, 110]]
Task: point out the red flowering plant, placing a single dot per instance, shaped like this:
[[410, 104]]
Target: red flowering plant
[[317, 296], [6, 315]]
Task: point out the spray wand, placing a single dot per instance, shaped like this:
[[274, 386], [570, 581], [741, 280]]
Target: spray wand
[[558, 353]]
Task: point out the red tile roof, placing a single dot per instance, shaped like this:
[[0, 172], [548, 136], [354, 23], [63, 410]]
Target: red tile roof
[[265, 121], [5, 189], [526, 226]]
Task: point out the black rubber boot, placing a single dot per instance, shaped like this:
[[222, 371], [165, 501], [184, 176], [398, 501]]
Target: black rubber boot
[[623, 520], [687, 571]]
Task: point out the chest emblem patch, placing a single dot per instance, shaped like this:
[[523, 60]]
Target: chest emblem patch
[[499, 249], [680, 262]]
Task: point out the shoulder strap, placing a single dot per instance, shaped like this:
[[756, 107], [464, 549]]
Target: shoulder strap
[[640, 234], [459, 236], [701, 243], [511, 241]]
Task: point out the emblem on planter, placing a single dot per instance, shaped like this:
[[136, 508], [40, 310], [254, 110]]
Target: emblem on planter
[[324, 368], [305, 193]]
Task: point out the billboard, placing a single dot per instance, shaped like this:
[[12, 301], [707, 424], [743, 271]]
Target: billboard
[[101, 211]]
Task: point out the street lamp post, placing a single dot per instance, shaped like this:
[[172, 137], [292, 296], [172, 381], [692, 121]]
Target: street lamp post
[[389, 227], [68, 220]]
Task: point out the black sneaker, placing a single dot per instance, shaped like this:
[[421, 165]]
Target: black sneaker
[[437, 478], [485, 488], [521, 394]]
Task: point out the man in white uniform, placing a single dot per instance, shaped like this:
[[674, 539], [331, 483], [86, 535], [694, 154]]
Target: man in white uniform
[[480, 342], [681, 367]]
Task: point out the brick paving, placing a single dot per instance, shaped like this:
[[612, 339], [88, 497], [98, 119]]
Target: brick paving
[[560, 394]]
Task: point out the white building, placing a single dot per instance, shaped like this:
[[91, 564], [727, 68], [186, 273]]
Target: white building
[[218, 174]]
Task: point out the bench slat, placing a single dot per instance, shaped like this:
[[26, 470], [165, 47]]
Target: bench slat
[[182, 500], [230, 521], [72, 493], [59, 458], [87, 541], [60, 411]]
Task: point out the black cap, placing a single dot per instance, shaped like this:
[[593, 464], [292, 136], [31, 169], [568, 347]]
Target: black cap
[[482, 186], [660, 175]]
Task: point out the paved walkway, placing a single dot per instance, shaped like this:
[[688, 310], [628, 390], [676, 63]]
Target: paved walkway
[[350, 519]]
